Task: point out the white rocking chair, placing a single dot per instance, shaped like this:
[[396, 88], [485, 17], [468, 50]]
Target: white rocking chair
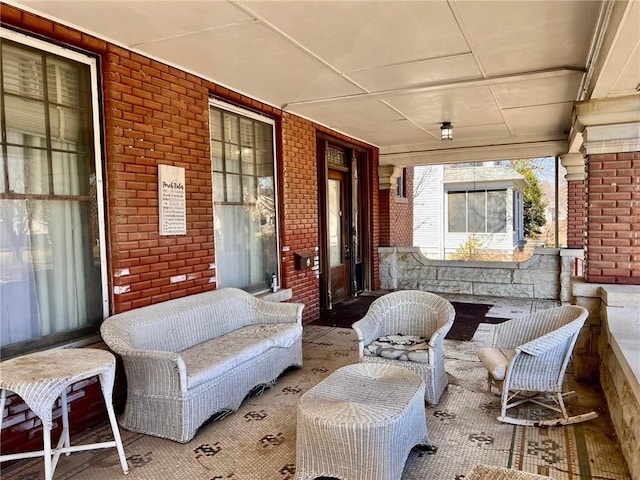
[[528, 360]]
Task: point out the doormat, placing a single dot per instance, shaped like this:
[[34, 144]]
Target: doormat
[[468, 317], [345, 313]]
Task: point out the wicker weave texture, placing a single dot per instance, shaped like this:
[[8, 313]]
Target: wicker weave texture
[[151, 338], [543, 342], [360, 423], [489, 472], [410, 312]]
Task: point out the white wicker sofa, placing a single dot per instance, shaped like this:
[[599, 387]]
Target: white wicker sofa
[[189, 358]]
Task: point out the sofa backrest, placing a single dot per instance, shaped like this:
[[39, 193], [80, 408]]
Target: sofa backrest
[[177, 324]]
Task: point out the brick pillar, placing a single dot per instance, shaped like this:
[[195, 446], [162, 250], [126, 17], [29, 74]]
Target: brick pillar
[[396, 214], [613, 215], [575, 212], [611, 144], [575, 166]]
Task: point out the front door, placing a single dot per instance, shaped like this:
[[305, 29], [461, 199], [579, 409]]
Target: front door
[[338, 235]]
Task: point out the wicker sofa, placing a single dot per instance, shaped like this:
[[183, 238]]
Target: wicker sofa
[[189, 358]]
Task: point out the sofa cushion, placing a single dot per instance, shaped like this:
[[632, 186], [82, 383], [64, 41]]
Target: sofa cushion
[[212, 358], [400, 347]]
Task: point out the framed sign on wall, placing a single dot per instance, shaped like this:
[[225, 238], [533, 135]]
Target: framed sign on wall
[[172, 200]]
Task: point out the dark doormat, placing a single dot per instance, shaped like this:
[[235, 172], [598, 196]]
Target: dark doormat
[[345, 313], [468, 317]]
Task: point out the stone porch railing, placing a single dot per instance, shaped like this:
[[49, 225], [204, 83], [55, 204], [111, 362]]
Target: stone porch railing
[[405, 268], [615, 310]]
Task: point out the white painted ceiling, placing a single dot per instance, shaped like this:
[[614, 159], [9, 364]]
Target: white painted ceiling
[[505, 73]]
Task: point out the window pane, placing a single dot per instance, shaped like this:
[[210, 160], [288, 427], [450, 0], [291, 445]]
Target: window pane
[[64, 82], [70, 173], [22, 71], [497, 211], [28, 170], [457, 211], [476, 211], [218, 187], [217, 161], [246, 132], [231, 134], [335, 236], [248, 167], [232, 158], [25, 116], [249, 187], [66, 128], [215, 124], [234, 192], [51, 282]]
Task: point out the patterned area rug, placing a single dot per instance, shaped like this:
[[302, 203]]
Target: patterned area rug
[[258, 441]]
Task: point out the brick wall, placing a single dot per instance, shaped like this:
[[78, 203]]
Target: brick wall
[[575, 210], [300, 209], [613, 215], [396, 215], [156, 114]]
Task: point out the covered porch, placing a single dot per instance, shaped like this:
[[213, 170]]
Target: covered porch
[[258, 441]]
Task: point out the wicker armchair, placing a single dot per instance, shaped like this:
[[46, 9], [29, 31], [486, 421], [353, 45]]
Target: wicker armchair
[[528, 360], [416, 322]]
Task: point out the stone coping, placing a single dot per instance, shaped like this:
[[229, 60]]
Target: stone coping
[[623, 329], [624, 337]]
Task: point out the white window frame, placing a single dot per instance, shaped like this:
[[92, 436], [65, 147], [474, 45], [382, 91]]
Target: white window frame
[[264, 119], [97, 152]]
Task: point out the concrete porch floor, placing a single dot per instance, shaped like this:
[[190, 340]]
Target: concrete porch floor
[[258, 441]]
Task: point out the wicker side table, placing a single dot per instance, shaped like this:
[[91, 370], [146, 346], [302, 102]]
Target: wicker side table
[[360, 423], [40, 378]]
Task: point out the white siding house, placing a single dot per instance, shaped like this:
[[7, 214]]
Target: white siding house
[[453, 203]]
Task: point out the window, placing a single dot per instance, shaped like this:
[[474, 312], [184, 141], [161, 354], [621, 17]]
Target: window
[[244, 198], [401, 185], [483, 211], [52, 283]]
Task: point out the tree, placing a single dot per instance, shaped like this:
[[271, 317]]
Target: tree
[[533, 196]]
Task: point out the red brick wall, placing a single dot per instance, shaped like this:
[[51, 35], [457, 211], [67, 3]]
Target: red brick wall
[[575, 210], [613, 216], [299, 213], [156, 114], [396, 215]]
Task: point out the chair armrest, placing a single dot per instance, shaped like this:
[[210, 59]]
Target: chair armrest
[[367, 329], [549, 341], [276, 312], [155, 372], [437, 338]]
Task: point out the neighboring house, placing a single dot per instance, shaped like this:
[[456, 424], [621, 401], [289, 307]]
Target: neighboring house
[[453, 203]]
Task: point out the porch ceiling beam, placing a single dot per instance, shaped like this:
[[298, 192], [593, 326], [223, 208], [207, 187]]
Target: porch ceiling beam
[[476, 154], [436, 87]]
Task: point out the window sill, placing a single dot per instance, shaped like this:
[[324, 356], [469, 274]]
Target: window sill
[[281, 295], [402, 200]]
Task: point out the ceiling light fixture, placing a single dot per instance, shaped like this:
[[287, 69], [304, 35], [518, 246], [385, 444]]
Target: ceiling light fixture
[[446, 131]]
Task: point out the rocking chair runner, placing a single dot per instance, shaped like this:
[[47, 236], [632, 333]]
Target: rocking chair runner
[[528, 360]]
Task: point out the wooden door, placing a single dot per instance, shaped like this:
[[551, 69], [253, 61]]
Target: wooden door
[[338, 235]]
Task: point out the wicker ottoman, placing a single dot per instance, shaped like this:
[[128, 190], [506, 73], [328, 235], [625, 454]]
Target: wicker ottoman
[[360, 423]]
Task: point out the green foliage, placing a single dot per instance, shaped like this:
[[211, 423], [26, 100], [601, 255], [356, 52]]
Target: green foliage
[[469, 250], [534, 203]]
